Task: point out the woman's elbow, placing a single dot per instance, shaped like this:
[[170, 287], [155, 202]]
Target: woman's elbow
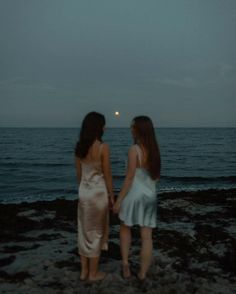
[[108, 180], [107, 176]]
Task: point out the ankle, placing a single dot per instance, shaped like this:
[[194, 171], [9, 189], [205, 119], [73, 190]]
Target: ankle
[[92, 274], [98, 276], [141, 275]]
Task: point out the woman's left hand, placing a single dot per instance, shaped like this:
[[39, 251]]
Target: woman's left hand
[[116, 207], [111, 202]]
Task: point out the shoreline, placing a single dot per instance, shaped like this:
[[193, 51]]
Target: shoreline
[[193, 247], [159, 193]]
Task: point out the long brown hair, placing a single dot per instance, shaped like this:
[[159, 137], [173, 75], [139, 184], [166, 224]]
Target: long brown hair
[[145, 135], [91, 130]]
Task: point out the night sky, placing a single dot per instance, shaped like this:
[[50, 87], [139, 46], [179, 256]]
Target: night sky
[[172, 60]]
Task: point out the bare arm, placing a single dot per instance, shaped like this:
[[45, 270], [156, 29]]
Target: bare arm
[[78, 169], [106, 167], [132, 163]]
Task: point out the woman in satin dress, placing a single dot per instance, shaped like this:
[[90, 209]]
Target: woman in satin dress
[[95, 194], [137, 200]]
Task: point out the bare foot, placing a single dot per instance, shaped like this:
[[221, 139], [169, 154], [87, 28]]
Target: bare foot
[[83, 276], [141, 277], [97, 277], [126, 271]]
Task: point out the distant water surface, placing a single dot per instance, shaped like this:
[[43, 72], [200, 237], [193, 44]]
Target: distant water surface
[[38, 163]]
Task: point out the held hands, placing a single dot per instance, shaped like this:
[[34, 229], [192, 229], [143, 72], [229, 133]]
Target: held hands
[[111, 202], [116, 207]]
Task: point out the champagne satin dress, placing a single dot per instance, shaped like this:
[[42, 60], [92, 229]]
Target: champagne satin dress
[[139, 207], [93, 210]]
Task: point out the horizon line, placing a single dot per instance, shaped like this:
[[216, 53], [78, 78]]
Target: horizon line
[[163, 127]]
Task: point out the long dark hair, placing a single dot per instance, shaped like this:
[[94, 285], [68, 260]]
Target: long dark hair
[[91, 129], [145, 135]]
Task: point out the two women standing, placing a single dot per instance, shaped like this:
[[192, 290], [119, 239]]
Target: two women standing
[[135, 204]]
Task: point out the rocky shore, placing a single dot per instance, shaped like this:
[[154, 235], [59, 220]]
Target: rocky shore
[[194, 247]]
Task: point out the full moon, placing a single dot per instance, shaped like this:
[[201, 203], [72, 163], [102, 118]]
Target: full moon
[[117, 113]]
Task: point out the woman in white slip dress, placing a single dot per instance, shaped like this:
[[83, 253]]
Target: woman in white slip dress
[[137, 200], [95, 190]]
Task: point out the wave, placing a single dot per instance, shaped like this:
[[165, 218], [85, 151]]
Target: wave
[[190, 179], [200, 179], [62, 191], [29, 164]]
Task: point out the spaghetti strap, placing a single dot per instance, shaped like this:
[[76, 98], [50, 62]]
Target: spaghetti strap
[[100, 149], [139, 154]]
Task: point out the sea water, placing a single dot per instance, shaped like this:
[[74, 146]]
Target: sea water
[[38, 163]]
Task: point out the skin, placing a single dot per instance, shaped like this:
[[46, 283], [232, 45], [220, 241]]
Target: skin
[[125, 231], [89, 266]]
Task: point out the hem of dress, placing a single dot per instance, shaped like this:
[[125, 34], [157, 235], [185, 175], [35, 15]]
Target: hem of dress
[[137, 224], [89, 256], [105, 249]]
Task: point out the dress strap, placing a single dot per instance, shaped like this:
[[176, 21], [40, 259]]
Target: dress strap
[[100, 149], [139, 154]]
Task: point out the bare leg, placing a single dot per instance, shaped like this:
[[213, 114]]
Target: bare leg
[[94, 274], [84, 267], [125, 242], [146, 251]]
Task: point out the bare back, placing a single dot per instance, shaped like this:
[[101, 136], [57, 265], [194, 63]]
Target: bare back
[[94, 153], [142, 157]]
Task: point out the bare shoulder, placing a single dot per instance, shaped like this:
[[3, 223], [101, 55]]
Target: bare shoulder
[[105, 145], [77, 161], [132, 151], [105, 148]]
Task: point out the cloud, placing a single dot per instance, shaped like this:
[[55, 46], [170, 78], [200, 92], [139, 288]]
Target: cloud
[[186, 82], [201, 76], [22, 82], [11, 81]]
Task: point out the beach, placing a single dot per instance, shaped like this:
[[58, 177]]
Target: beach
[[194, 247]]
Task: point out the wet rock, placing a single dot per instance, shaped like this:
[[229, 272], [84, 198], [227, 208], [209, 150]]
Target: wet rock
[[47, 237], [15, 248], [7, 260], [70, 263], [194, 247], [113, 252], [16, 277]]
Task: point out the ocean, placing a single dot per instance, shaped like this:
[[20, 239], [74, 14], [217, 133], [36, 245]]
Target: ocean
[[38, 163]]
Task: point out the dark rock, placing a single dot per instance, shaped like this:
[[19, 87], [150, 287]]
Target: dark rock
[[70, 263], [228, 261], [7, 260], [17, 277], [74, 251], [207, 254], [47, 237], [12, 249], [113, 252]]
